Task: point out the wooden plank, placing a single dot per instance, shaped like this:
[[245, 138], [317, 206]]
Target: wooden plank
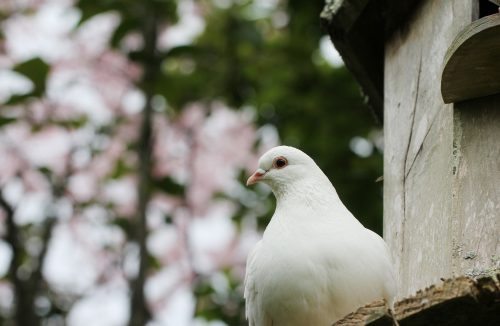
[[398, 14], [472, 65], [455, 302], [476, 180], [418, 137]]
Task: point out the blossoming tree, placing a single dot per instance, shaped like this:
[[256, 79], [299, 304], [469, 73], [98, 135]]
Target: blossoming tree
[[116, 207], [126, 131]]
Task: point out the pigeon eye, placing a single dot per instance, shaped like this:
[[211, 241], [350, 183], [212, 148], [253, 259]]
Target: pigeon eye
[[280, 162]]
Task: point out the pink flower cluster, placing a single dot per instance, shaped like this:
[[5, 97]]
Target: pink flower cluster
[[81, 136]]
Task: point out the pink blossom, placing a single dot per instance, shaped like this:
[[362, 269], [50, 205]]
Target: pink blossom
[[39, 111], [11, 163], [84, 129], [13, 83], [104, 305], [47, 148], [224, 143], [163, 243], [79, 244], [170, 150], [122, 193], [43, 34], [210, 236], [104, 162], [82, 186], [92, 38], [192, 117], [35, 181]]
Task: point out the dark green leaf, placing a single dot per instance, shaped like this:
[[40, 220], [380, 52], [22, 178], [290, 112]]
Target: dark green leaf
[[154, 263], [124, 224], [36, 70], [121, 169], [127, 26], [169, 186], [90, 8], [4, 121]]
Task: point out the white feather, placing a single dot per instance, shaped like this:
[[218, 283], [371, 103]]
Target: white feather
[[315, 263]]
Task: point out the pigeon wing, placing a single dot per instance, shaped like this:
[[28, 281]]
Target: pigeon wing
[[254, 310]]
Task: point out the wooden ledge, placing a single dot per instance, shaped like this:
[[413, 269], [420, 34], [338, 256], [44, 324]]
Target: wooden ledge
[[472, 62], [458, 301]]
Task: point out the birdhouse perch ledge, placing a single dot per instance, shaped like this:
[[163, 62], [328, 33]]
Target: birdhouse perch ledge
[[457, 301]]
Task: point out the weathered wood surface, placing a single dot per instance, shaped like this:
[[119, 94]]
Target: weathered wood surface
[[373, 312], [418, 135], [472, 63], [476, 187], [455, 302], [441, 200]]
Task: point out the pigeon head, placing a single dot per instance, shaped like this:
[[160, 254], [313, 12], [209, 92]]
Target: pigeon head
[[283, 166]]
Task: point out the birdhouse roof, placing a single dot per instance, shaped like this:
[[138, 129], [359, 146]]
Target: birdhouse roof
[[359, 30]]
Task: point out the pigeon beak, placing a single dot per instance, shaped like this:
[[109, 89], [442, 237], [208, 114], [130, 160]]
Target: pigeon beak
[[256, 177]]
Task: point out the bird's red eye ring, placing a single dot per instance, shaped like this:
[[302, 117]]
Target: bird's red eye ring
[[280, 162]]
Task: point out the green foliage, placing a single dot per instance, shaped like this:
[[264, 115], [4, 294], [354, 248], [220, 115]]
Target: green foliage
[[4, 121], [246, 60], [129, 10], [169, 186], [278, 71], [228, 307], [36, 70], [121, 169], [124, 224]]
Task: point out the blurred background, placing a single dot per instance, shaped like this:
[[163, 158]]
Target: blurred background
[[127, 131]]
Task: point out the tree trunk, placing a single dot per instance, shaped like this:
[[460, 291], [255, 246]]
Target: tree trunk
[[139, 312]]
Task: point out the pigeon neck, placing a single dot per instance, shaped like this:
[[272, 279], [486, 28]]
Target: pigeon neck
[[312, 193]]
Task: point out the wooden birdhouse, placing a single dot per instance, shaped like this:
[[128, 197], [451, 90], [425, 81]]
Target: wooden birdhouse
[[431, 72]]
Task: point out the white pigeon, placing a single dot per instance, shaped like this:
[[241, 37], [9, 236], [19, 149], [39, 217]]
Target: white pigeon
[[316, 262]]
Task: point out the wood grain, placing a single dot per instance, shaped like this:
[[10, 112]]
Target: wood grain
[[418, 136]]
